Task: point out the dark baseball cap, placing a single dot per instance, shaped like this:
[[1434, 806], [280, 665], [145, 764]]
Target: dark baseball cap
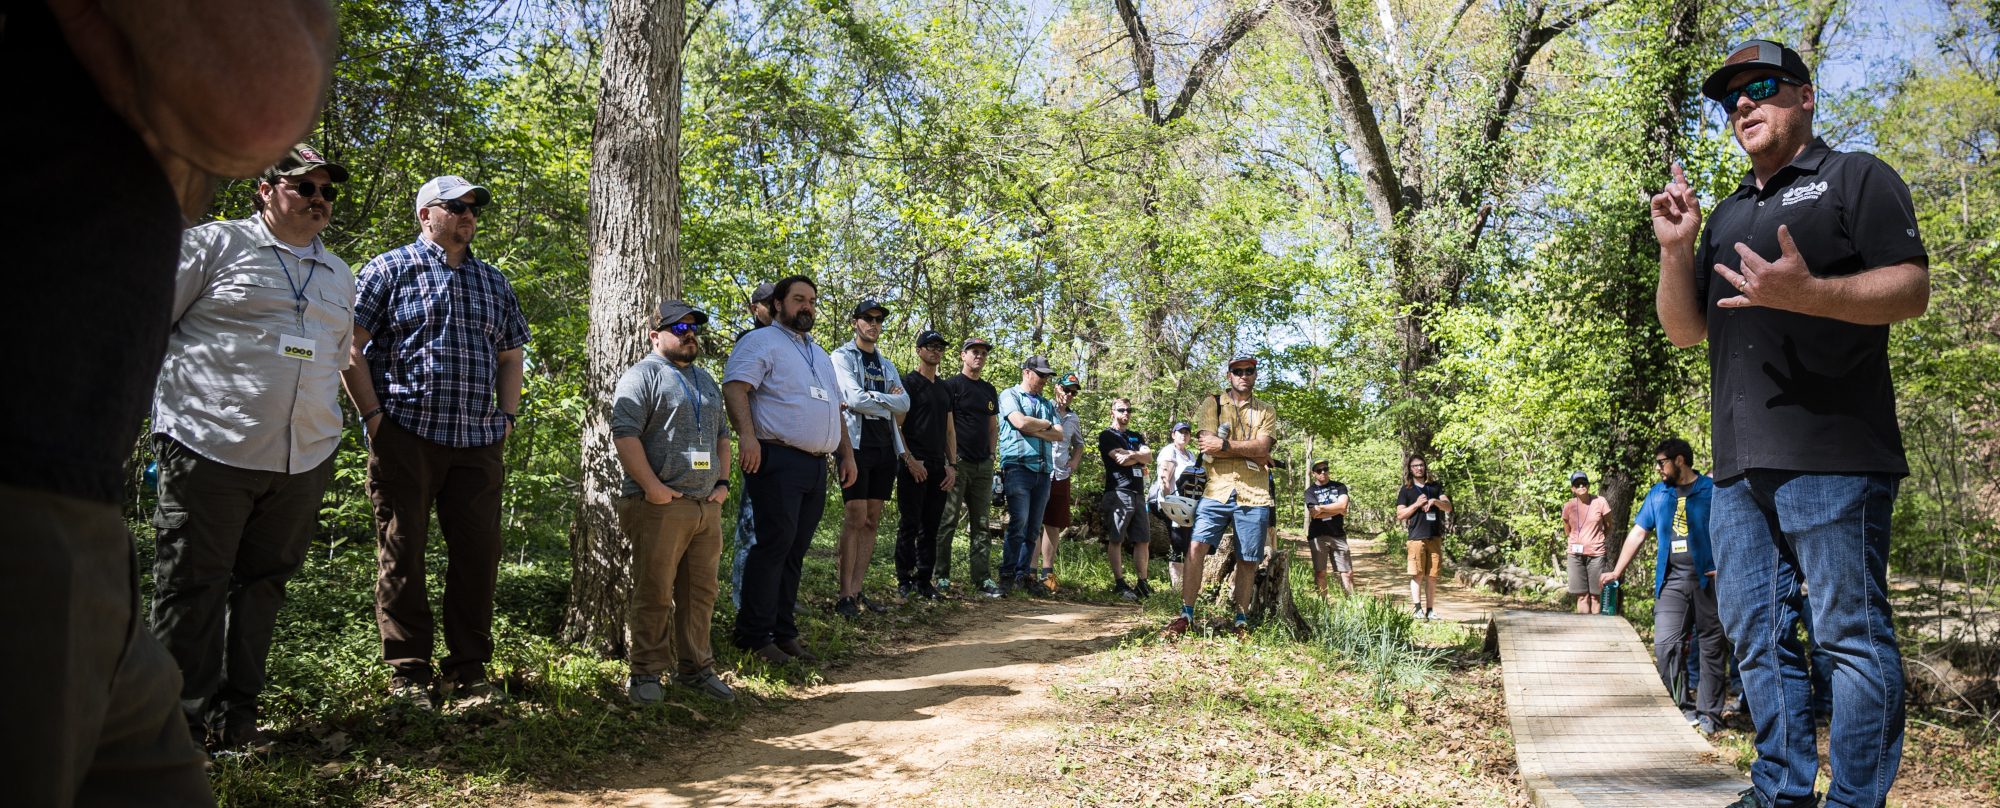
[[866, 306], [1038, 365], [764, 292], [1181, 426], [302, 159], [1069, 380], [1578, 475], [671, 311], [975, 342], [929, 337], [1755, 54]]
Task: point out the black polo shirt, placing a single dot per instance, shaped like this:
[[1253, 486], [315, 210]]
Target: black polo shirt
[[1792, 391]]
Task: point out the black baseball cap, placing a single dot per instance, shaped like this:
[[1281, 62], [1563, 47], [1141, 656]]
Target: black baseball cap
[[302, 159], [866, 306], [975, 342], [764, 292], [929, 337], [671, 311], [1755, 54], [1038, 365]]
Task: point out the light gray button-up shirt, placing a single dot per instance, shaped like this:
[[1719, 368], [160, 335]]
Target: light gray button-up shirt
[[782, 366], [229, 389]]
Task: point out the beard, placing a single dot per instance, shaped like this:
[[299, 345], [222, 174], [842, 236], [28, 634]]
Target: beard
[[684, 352], [800, 321]]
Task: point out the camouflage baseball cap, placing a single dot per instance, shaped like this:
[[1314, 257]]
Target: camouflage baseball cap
[[302, 159]]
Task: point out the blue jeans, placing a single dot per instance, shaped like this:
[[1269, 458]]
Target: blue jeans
[[1822, 665], [1027, 497], [1771, 530], [1211, 516], [746, 538]]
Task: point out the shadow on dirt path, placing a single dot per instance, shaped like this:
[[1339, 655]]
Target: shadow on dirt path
[[884, 727]]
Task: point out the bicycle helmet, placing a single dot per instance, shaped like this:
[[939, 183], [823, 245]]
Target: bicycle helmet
[[1179, 510]]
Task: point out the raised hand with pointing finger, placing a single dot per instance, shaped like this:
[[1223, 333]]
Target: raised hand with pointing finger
[[1676, 213]]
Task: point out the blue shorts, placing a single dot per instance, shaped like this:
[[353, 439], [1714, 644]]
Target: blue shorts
[[1211, 516]]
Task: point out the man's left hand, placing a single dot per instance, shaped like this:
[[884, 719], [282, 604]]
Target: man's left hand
[[719, 495], [1781, 284]]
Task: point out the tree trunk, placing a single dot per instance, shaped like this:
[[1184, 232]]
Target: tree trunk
[[634, 263]]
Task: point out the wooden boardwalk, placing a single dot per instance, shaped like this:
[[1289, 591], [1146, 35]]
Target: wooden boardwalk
[[1592, 724]]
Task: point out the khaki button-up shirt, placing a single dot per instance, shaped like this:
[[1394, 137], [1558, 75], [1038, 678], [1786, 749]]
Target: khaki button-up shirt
[[1249, 481], [229, 389]]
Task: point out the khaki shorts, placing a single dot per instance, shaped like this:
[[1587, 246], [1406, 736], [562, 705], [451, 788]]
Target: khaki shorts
[[1426, 557], [1584, 573], [1330, 548]]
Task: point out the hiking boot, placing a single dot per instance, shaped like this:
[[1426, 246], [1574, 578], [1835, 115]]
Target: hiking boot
[[1240, 630], [1747, 798], [928, 592], [1178, 627], [862, 598], [478, 692], [791, 647], [846, 607], [943, 587], [1707, 726], [772, 654], [991, 589], [644, 688], [705, 682], [1145, 591], [417, 693], [1049, 585], [1124, 592]]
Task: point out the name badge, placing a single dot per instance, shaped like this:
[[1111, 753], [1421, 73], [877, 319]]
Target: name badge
[[699, 460], [1138, 472], [1576, 548], [1680, 545], [1430, 516], [818, 393], [298, 348]]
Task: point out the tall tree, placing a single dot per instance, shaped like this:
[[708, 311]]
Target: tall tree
[[1430, 168], [634, 262]]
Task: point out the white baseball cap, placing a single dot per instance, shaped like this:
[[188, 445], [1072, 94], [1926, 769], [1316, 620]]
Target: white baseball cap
[[451, 187]]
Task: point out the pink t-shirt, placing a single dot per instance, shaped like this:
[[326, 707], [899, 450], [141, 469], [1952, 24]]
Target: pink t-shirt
[[1586, 525]]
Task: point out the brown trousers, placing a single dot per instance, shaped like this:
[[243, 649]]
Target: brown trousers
[[407, 475], [92, 713], [676, 555]]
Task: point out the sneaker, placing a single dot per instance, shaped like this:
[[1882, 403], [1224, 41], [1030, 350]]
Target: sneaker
[[943, 586], [906, 591], [1048, 585], [644, 688], [417, 693], [772, 654], [1178, 627], [793, 649], [705, 682], [928, 592], [479, 691], [1240, 630], [1430, 614], [1707, 726], [1747, 798], [1143, 589], [846, 607], [1124, 592], [991, 589], [862, 598]]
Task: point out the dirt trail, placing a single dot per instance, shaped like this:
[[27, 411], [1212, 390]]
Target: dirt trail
[[1376, 573], [884, 727]]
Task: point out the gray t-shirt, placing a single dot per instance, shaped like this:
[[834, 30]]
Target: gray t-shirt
[[676, 413]]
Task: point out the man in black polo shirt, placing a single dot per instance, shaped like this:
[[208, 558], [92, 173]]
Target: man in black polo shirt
[[1794, 284], [927, 474]]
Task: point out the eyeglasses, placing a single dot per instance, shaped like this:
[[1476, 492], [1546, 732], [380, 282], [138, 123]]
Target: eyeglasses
[[1757, 90], [875, 319], [458, 208], [1242, 371], [681, 329], [307, 190], [1661, 461]]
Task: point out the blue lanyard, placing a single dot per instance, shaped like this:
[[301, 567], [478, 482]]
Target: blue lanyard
[[806, 353], [298, 291], [694, 393]]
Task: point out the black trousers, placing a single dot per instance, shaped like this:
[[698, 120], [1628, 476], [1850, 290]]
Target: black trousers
[[922, 509], [790, 489], [229, 540], [92, 714], [1685, 606]]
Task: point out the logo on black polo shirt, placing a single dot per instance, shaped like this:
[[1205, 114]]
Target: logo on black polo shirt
[[1805, 192], [992, 407]]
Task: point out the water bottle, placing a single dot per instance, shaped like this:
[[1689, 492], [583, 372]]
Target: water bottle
[[1608, 599]]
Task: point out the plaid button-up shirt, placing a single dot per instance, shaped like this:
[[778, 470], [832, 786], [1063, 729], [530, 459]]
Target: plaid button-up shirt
[[436, 334]]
